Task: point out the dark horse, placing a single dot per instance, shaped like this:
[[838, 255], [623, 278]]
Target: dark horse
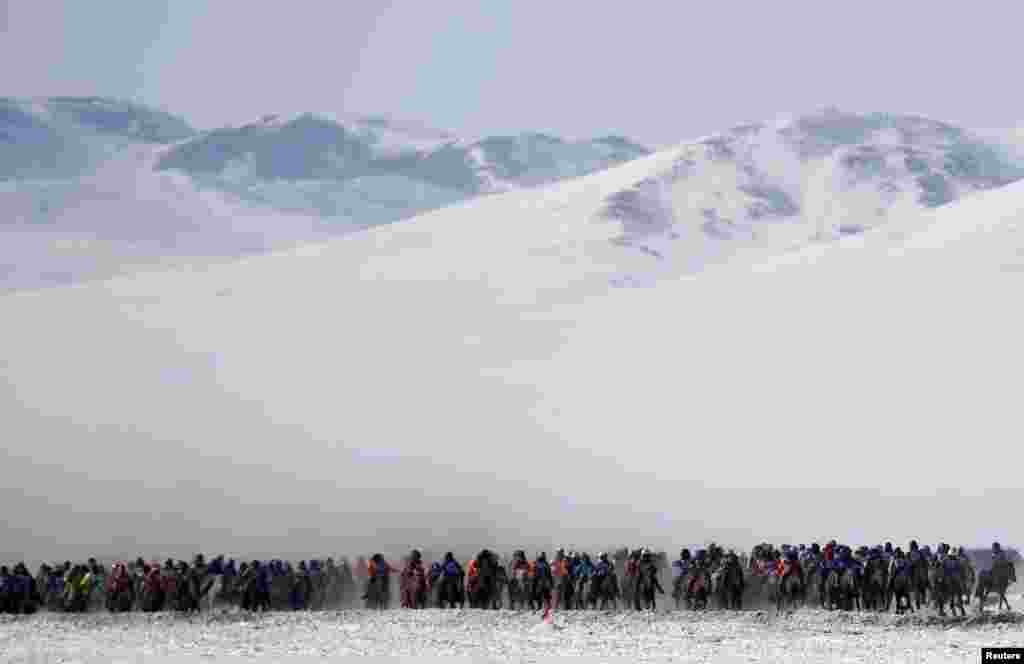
[[946, 588], [996, 580], [604, 590], [518, 588], [378, 592], [450, 593], [729, 586], [901, 587], [875, 587], [698, 588], [789, 593], [919, 582], [482, 590], [644, 588], [850, 584], [565, 589]]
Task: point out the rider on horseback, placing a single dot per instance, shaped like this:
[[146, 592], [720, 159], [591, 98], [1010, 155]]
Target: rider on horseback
[[999, 558], [604, 566], [519, 561], [791, 566], [682, 566], [583, 567], [900, 565], [648, 568]]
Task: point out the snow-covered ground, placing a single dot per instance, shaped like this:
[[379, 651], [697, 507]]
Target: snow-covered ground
[[806, 636]]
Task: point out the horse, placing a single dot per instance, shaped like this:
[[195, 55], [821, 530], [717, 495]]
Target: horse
[[450, 592], [679, 588], [214, 592], [119, 592], [729, 586], [901, 588], [518, 588], [480, 589], [698, 588], [644, 588], [500, 584], [540, 591], [945, 586], [789, 593], [850, 584], [996, 580], [967, 578], [604, 590], [579, 592], [629, 580], [833, 590], [919, 582], [876, 582], [378, 593], [414, 587], [564, 589]]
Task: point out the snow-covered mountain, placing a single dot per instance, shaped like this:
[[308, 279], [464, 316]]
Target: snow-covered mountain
[[818, 176], [91, 187], [371, 170], [472, 368]]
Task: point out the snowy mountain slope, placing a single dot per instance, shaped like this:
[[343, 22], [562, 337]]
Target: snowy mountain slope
[[80, 198], [91, 187], [122, 216], [819, 176], [64, 137], [472, 364], [372, 170]]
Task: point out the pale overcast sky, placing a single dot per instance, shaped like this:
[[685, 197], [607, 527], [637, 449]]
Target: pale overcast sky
[[658, 72]]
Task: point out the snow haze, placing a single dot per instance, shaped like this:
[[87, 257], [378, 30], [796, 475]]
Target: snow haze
[[474, 376]]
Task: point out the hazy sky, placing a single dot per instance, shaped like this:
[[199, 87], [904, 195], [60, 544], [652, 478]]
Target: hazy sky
[[658, 72]]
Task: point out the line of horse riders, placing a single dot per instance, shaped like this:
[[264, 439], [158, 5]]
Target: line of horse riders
[[834, 577]]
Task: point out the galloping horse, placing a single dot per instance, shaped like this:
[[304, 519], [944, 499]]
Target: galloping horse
[[996, 580]]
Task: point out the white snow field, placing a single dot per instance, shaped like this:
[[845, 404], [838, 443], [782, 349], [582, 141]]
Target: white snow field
[[505, 636]]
